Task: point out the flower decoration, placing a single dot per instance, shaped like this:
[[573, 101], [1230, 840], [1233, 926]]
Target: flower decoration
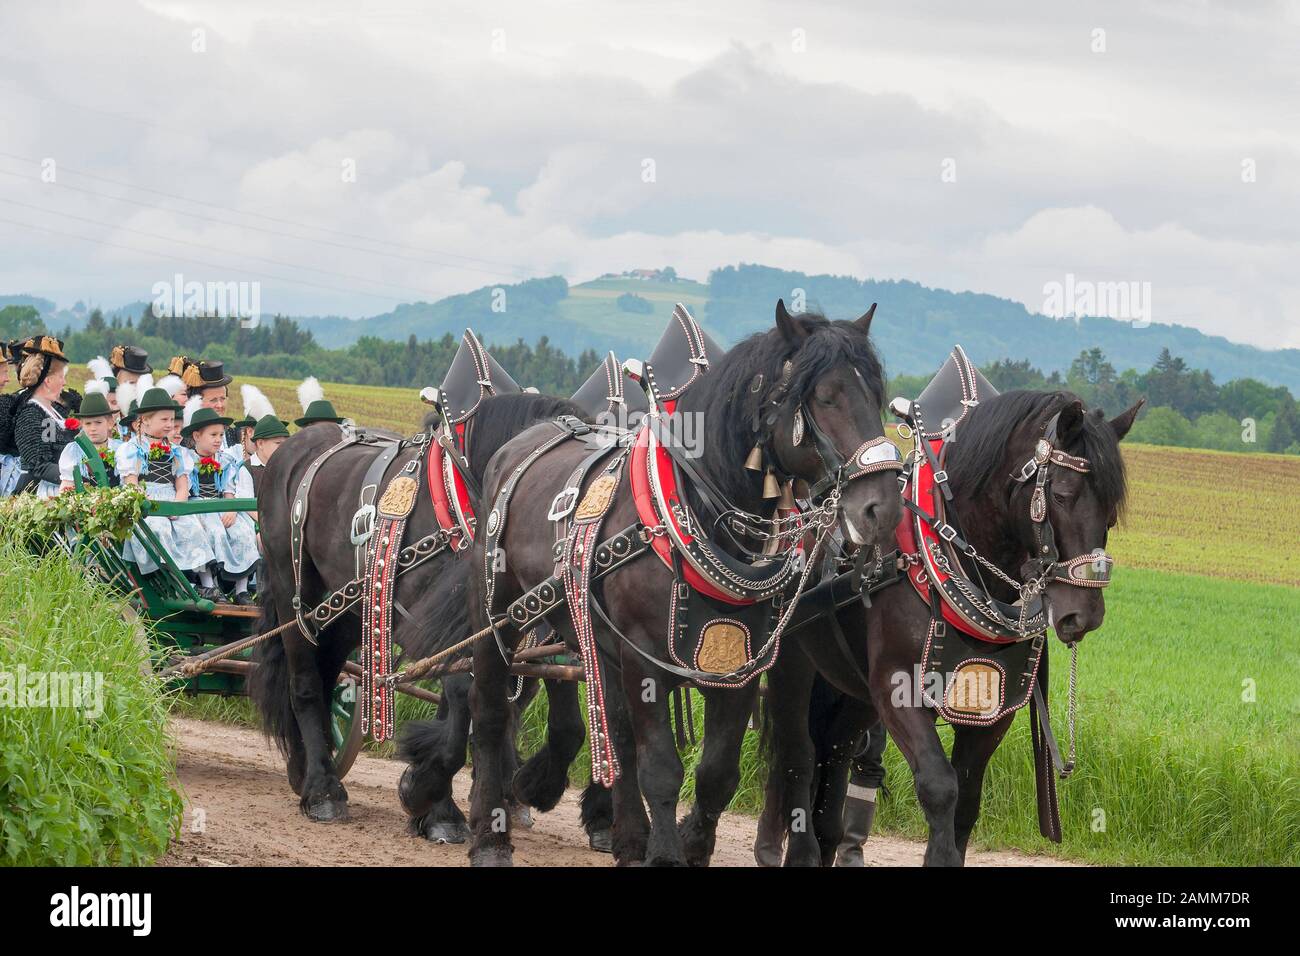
[[209, 466], [159, 450], [71, 424]]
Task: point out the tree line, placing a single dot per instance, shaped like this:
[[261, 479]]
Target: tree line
[[1185, 406]]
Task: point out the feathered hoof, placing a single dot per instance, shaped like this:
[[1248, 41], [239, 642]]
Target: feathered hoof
[[442, 831], [326, 810], [492, 856]]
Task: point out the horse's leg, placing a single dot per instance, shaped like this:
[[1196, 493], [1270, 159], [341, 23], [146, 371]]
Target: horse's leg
[[629, 825], [913, 730], [436, 751], [769, 841], [659, 767], [793, 763], [489, 814], [971, 749], [726, 715], [323, 797], [597, 813], [542, 780]]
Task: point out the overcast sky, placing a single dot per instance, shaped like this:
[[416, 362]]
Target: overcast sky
[[988, 146]]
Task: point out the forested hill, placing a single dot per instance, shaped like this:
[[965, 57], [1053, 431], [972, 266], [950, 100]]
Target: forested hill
[[915, 327]]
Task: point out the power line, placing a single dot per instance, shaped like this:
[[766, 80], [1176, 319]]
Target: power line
[[210, 265], [227, 252], [272, 232], [275, 219]]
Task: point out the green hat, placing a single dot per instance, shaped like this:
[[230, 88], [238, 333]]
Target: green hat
[[130, 414], [202, 417], [248, 421], [95, 405], [318, 411], [270, 427], [111, 382], [157, 400]]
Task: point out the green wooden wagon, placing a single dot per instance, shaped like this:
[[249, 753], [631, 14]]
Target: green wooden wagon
[[184, 628]]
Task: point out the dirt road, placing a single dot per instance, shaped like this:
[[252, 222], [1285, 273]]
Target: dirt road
[[241, 812]]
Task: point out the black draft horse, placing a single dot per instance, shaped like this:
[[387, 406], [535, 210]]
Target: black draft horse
[[291, 685], [998, 436], [834, 377]]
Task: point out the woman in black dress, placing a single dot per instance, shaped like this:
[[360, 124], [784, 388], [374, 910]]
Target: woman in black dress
[[42, 426]]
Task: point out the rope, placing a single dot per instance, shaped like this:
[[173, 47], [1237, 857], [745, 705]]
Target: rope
[[194, 666], [426, 664]]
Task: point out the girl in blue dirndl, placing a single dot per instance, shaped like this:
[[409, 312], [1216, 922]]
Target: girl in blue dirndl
[[149, 459]]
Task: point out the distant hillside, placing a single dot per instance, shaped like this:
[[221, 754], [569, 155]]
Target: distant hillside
[[915, 327], [574, 317]]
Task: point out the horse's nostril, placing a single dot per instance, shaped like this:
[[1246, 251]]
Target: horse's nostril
[[873, 512]]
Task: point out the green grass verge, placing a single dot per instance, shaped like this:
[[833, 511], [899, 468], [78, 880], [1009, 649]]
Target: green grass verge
[[77, 788]]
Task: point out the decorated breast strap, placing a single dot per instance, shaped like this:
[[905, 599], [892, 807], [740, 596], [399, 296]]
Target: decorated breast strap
[[577, 563], [965, 606], [660, 504]]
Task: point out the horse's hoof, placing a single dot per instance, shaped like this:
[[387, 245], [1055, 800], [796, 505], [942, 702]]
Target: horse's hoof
[[602, 841], [326, 810], [766, 854], [492, 856], [445, 831]]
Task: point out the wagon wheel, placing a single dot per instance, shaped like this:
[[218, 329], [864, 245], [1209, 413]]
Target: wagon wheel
[[345, 723]]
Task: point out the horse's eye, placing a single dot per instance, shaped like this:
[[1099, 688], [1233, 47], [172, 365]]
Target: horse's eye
[[1062, 498]]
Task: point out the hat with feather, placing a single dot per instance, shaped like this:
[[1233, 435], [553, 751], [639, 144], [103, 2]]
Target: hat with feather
[[315, 408]]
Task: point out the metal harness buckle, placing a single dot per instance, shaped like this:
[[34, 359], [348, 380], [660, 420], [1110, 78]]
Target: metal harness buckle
[[363, 525], [562, 505]]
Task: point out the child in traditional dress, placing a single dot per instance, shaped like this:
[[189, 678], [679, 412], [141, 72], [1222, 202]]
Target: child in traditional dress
[[97, 421], [231, 534], [149, 459]]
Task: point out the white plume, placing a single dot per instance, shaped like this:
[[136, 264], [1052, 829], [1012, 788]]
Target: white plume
[[96, 385], [99, 367], [171, 384], [309, 391], [256, 405], [143, 384], [192, 406], [127, 393]]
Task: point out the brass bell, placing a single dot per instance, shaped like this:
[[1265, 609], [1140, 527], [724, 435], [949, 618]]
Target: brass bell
[[787, 497], [771, 487], [755, 460]]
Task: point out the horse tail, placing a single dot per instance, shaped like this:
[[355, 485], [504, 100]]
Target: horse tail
[[268, 685], [450, 624]]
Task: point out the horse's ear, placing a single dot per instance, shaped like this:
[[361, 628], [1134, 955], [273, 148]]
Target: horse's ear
[[1070, 421], [794, 332], [864, 321], [1122, 422]]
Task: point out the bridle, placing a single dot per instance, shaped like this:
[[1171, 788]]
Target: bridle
[[1090, 570], [872, 456]]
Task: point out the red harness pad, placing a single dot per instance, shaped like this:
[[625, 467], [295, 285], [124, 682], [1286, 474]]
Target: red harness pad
[[443, 509], [920, 490], [643, 495]]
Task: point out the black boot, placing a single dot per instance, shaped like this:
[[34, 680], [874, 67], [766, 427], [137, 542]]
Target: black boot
[[859, 813]]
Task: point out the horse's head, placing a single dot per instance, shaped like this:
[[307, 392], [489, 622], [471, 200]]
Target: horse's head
[[1067, 488], [820, 413]]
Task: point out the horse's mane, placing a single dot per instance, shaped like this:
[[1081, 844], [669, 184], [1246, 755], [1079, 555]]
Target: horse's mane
[[500, 418], [976, 458], [730, 407]]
